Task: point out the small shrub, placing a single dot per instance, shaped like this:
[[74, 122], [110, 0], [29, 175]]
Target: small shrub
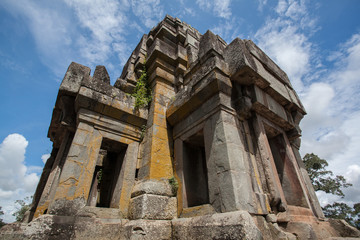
[[142, 91], [174, 185]]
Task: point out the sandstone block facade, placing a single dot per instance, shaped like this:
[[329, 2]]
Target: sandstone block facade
[[215, 155]]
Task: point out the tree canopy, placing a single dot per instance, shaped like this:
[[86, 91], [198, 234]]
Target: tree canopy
[[1, 221], [23, 206], [323, 179]]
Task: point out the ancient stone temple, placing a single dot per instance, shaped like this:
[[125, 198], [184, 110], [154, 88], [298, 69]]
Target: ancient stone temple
[[215, 154]]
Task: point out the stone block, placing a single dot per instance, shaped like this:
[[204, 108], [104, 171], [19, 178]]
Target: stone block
[[100, 229], [100, 74], [271, 218], [98, 212], [233, 225], [343, 228], [148, 206], [147, 229], [206, 209], [154, 187], [73, 78], [64, 207], [302, 230], [209, 41]]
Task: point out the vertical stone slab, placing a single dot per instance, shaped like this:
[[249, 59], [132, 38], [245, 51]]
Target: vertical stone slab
[[42, 183], [53, 179], [158, 164], [179, 174], [125, 183], [263, 205], [298, 178], [314, 202], [273, 183], [228, 170], [76, 177]]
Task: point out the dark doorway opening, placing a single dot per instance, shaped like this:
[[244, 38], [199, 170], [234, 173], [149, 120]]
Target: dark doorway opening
[[195, 171], [106, 175]]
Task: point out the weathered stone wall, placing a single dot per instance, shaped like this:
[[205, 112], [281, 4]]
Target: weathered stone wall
[[215, 155]]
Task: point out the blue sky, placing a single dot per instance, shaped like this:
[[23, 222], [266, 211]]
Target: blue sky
[[316, 42]]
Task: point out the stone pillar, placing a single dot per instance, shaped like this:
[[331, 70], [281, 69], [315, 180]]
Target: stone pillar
[[228, 170], [152, 197], [157, 162], [53, 178], [76, 177], [277, 198]]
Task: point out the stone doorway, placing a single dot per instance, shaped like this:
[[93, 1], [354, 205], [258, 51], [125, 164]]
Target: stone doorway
[[195, 171], [285, 169], [107, 175]]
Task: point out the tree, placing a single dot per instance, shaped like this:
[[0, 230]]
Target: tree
[[1, 221], [338, 210], [24, 206], [356, 214], [323, 179], [343, 211]]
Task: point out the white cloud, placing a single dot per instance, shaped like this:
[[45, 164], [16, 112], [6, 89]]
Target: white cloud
[[228, 29], [45, 157], [285, 38], [283, 42], [317, 114], [75, 30], [327, 198], [353, 174], [149, 12], [51, 29], [332, 128], [221, 8], [16, 182], [262, 4], [333, 107], [107, 22]]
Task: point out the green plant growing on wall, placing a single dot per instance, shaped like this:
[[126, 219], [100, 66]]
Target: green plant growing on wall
[[174, 185], [142, 91], [143, 131]]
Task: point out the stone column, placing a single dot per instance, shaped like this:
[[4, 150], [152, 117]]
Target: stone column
[[228, 170], [76, 177], [277, 198], [152, 197], [157, 162]]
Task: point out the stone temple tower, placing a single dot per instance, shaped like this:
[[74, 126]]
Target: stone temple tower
[[215, 155]]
